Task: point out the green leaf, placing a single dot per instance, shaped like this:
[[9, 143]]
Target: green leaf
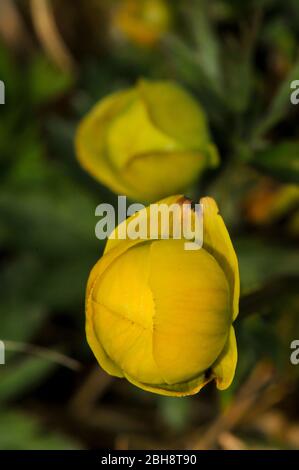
[[57, 245], [8, 73], [175, 412], [46, 82], [21, 311], [261, 262], [189, 71], [13, 312], [280, 106], [16, 379], [20, 431], [207, 41], [281, 161], [238, 77]]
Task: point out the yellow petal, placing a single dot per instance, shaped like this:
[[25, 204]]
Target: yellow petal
[[178, 390], [125, 328], [150, 162], [192, 311], [225, 366], [114, 239], [103, 359], [90, 142], [217, 242], [189, 127], [132, 133], [92, 337], [158, 173]]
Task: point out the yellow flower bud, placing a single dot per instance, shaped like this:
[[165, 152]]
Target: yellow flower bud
[[161, 316], [142, 21], [146, 142]]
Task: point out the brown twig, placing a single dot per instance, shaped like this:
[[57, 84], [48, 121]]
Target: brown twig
[[93, 387], [229, 441], [44, 353], [46, 29], [12, 27], [261, 377]]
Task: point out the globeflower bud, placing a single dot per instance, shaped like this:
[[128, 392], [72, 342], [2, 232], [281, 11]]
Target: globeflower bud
[[142, 21], [146, 142], [162, 316]]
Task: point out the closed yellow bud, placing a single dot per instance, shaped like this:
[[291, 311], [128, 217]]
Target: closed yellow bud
[[146, 142], [142, 21], [161, 316]]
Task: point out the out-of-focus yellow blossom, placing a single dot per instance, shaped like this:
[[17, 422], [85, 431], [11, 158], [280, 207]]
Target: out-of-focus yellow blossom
[[161, 316], [143, 22], [268, 201], [146, 142]]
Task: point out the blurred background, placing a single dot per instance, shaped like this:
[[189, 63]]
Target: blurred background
[[56, 60]]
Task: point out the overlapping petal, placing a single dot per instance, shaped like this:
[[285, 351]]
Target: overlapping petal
[[217, 242]]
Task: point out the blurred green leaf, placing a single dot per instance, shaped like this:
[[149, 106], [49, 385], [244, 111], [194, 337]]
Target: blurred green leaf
[[277, 33], [17, 379], [280, 106], [189, 70], [8, 72], [20, 431], [262, 262], [281, 161], [21, 312], [175, 412], [57, 234], [206, 39], [20, 319], [45, 81], [257, 340], [238, 82]]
